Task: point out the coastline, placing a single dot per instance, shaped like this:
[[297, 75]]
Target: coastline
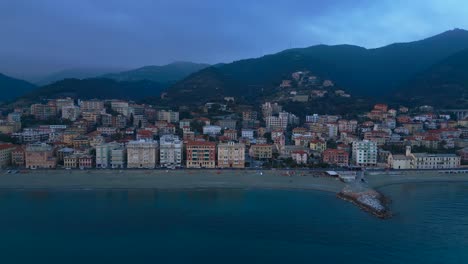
[[180, 179], [167, 179], [367, 197]]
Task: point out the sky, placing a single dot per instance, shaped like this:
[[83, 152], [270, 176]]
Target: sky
[[41, 37]]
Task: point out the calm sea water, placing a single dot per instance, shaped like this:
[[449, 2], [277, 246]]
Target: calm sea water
[[232, 226]]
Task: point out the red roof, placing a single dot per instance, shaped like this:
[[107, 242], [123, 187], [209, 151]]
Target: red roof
[[6, 146], [145, 133], [201, 143]]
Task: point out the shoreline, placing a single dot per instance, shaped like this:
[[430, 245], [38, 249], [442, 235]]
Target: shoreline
[[369, 197], [189, 179]]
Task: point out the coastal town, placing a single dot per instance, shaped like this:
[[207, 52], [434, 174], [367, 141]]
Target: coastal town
[[69, 133]]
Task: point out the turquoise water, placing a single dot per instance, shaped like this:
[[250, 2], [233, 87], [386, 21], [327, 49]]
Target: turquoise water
[[232, 226]]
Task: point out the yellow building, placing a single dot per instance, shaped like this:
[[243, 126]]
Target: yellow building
[[39, 155], [318, 145], [5, 154], [261, 151], [231, 155]]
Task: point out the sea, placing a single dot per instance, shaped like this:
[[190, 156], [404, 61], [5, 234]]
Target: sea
[[430, 225]]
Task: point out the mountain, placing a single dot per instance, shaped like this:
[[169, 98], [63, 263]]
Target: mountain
[[361, 71], [169, 73], [77, 73], [444, 85], [100, 88], [12, 88]]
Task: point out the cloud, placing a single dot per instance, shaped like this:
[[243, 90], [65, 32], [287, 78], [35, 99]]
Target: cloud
[[49, 35]]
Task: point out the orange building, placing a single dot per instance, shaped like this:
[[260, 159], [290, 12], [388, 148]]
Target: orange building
[[201, 154]]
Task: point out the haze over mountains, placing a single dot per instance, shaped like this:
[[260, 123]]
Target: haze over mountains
[[90, 83], [169, 73], [403, 69]]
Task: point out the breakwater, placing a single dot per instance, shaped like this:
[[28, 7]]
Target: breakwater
[[367, 199]]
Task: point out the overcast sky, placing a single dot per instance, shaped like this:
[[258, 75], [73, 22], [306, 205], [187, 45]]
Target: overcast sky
[[38, 37]]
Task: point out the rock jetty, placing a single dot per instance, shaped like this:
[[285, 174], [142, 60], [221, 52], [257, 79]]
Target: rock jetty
[[367, 199]]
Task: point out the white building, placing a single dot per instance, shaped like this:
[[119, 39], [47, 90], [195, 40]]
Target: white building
[[120, 107], [364, 153], [170, 151], [118, 158], [211, 130], [423, 161], [92, 105], [276, 122], [103, 154], [247, 133], [70, 112], [142, 154]]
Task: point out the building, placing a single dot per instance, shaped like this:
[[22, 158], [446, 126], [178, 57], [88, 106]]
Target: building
[[423, 161], [269, 109], [463, 154], [434, 161], [398, 162], [364, 153], [185, 123], [231, 134], [201, 154], [318, 145], [14, 117], [299, 156], [120, 107], [231, 155], [249, 115], [9, 127], [70, 112], [227, 123], [64, 152], [78, 161], [261, 151], [338, 157], [142, 154], [17, 157], [211, 130], [39, 156], [170, 151], [81, 142], [248, 133], [43, 112], [168, 116], [92, 105], [118, 157], [30, 136], [6, 154], [103, 154]]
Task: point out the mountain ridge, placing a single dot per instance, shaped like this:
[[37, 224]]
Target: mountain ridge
[[12, 87], [168, 73], [365, 72]]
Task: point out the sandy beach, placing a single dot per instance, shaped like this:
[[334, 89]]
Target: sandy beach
[[171, 179], [181, 179]]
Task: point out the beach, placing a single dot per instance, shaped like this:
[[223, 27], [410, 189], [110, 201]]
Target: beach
[[168, 179], [181, 179]]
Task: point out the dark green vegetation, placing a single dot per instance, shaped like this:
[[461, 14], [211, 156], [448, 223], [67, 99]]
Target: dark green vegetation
[[95, 88], [169, 73], [362, 72], [11, 88], [444, 85]]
